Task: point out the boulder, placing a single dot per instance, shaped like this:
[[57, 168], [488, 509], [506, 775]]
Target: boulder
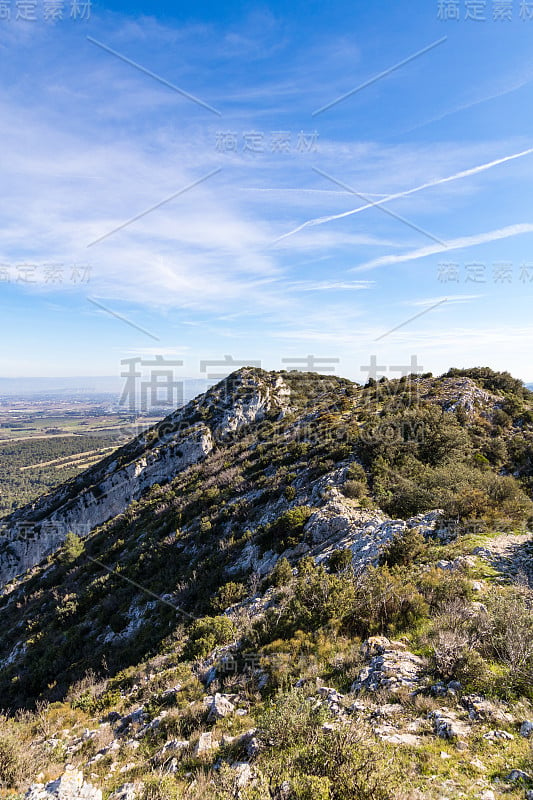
[[518, 775], [205, 744], [220, 706], [447, 726], [70, 786], [244, 772]]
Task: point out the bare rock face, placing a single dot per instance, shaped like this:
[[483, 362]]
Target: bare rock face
[[70, 786], [391, 667], [107, 489], [340, 524]]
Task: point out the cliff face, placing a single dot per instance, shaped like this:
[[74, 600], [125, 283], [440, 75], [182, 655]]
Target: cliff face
[[102, 492]]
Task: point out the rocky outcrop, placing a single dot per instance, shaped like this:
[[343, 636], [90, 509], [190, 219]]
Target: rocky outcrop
[[107, 489], [392, 666], [461, 393], [70, 786], [220, 706], [206, 743], [447, 725], [341, 524]]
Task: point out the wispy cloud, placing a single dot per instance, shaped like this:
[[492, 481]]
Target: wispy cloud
[[324, 286], [454, 244], [430, 184], [454, 298]]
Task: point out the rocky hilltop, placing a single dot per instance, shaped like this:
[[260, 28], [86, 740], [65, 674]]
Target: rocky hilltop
[[294, 587]]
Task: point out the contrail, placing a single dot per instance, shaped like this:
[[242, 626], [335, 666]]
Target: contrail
[[453, 244], [438, 182]]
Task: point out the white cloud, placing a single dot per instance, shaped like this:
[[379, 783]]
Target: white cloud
[[454, 244]]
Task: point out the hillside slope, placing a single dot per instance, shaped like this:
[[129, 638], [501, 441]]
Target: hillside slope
[[310, 586]]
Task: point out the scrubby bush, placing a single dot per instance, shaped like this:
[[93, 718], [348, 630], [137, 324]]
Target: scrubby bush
[[228, 595], [289, 493], [316, 598], [208, 633], [72, 549], [386, 601], [312, 787], [343, 764], [160, 787], [290, 718], [355, 490], [281, 575], [287, 530], [509, 637], [340, 560], [14, 766], [404, 549]]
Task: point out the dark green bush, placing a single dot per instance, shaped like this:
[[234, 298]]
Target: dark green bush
[[404, 549], [228, 595], [287, 530], [340, 560]]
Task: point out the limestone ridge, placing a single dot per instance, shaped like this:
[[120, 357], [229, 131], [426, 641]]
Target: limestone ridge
[[190, 434], [104, 491]]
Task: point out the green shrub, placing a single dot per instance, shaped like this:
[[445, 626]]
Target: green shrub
[[228, 595], [386, 601], [160, 787], [14, 764], [316, 599], [290, 718], [72, 549], [281, 575], [356, 472], [208, 633], [355, 490], [311, 787], [290, 493], [404, 549], [287, 530], [510, 636], [340, 560]]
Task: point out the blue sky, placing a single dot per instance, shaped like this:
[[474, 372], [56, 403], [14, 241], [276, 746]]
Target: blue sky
[[255, 255]]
